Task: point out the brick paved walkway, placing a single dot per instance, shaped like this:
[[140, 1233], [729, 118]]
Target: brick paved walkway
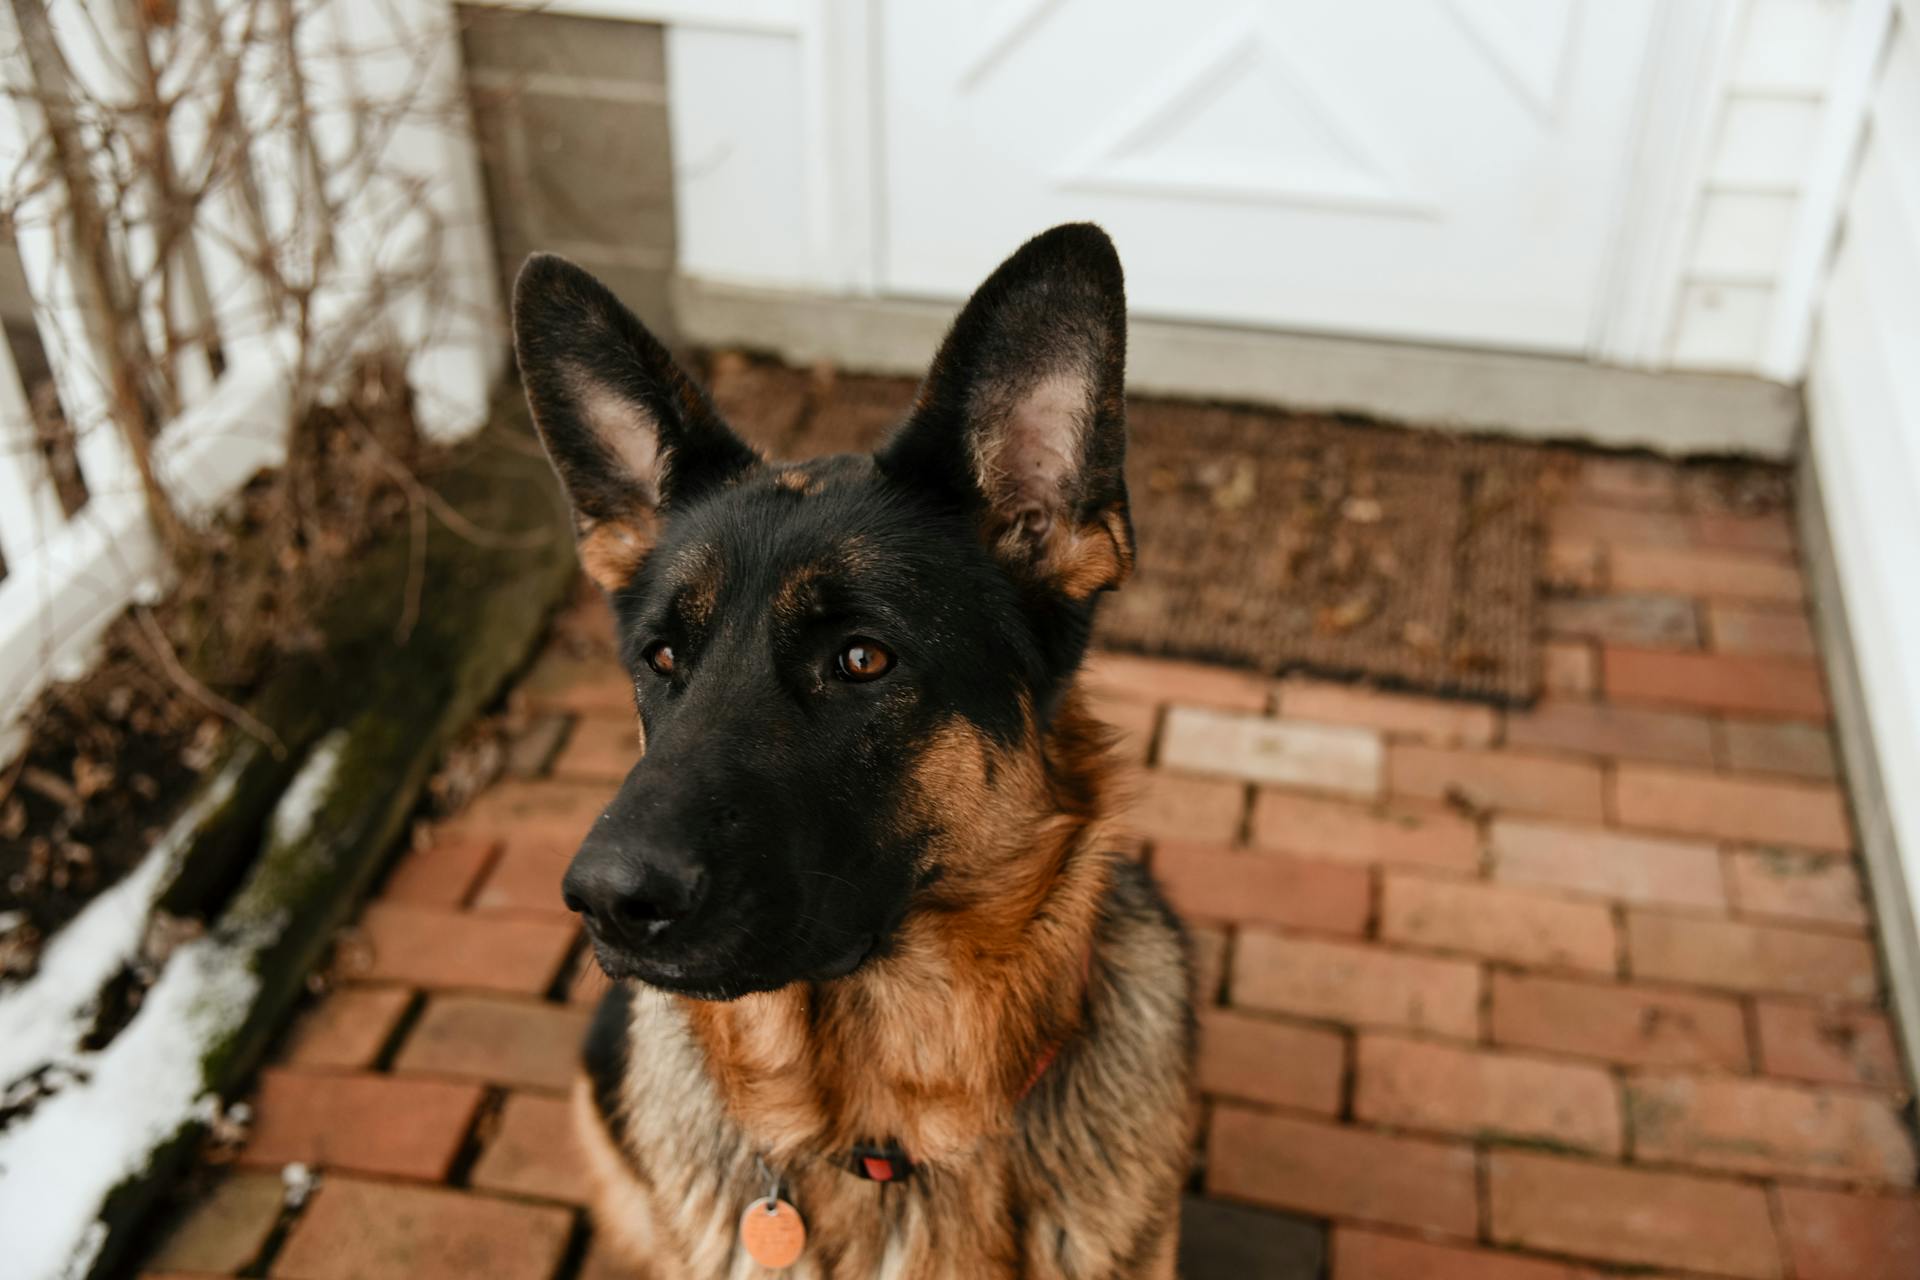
[[1531, 996]]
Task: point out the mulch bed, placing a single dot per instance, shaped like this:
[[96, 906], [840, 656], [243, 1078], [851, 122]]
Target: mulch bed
[[1271, 540]]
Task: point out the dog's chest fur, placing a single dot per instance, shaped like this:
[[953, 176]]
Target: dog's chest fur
[[1078, 1178]]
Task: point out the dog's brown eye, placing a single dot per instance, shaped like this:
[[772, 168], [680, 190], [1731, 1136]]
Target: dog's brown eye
[[864, 660], [660, 658]]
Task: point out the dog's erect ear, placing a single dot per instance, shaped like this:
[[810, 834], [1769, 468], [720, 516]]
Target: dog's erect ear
[[1023, 416], [630, 434]]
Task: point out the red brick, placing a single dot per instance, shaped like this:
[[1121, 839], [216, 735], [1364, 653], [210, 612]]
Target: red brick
[[1766, 810], [1368, 1255], [553, 811], [1765, 746], [1630, 1215], [1654, 622], [1828, 1046], [1640, 1026], [511, 1042], [348, 1028], [1259, 749], [1768, 532], [225, 1229], [1348, 982], [1177, 807], [432, 948], [1500, 923], [1334, 830], [1831, 1235], [1711, 575], [1331, 1171], [1490, 1097], [1209, 963], [1119, 675], [1212, 883], [533, 1152], [440, 874], [1437, 720], [1754, 629], [1737, 956], [562, 682], [1627, 868], [530, 752], [526, 879], [1134, 722], [1272, 1062], [1620, 525], [1503, 780], [1765, 1126], [365, 1123], [1574, 565], [1597, 729], [1631, 482], [1784, 884], [604, 748], [357, 1230], [1715, 682], [1570, 669]]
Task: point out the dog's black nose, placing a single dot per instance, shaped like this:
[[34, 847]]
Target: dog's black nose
[[630, 898]]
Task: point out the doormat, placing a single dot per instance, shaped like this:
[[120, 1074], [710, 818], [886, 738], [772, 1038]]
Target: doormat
[[1276, 541]]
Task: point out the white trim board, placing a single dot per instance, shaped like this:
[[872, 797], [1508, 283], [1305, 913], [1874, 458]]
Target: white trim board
[[1538, 397]]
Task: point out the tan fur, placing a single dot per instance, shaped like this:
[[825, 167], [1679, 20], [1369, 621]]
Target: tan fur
[[932, 1045], [611, 550]]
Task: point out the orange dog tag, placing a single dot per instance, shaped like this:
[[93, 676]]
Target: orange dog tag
[[773, 1233]]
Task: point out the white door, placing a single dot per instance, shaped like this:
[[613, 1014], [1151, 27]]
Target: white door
[[1437, 170]]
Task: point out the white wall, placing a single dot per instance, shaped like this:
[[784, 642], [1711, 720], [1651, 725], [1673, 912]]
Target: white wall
[[1863, 402]]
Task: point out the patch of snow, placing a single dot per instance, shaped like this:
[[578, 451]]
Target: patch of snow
[[43, 1019], [58, 1164], [293, 815]]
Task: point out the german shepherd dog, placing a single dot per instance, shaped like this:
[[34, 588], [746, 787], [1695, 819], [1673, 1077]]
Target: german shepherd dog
[[880, 969]]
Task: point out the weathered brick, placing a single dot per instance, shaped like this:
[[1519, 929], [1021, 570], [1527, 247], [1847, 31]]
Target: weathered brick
[[1502, 780], [1715, 682], [1134, 722], [1332, 1171], [1608, 864], [440, 874], [356, 1230], [365, 1123], [1597, 729], [1620, 525], [510, 1042], [1221, 1241], [533, 1151], [1436, 720], [562, 682], [1709, 574], [1491, 1097], [600, 747], [1209, 944], [1769, 1127], [1569, 669], [526, 879], [1498, 922], [1277, 1063], [1827, 1046], [1641, 1026], [1737, 956], [1355, 983], [1574, 564], [429, 947], [1359, 1254], [1787, 884], [1764, 810], [348, 1028], [530, 752], [1831, 1235], [1209, 882], [225, 1229], [1654, 622], [1631, 482], [1258, 749], [1767, 746], [1631, 1216], [1769, 532], [1119, 675], [1757, 629], [1175, 806], [1335, 830], [553, 811]]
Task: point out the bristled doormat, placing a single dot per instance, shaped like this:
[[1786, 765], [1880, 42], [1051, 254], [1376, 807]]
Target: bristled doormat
[[1271, 540]]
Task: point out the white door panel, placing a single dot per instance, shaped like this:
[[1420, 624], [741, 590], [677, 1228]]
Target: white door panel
[[1439, 170]]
